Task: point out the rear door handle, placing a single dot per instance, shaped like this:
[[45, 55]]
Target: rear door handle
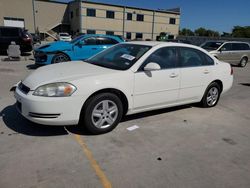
[[173, 75]]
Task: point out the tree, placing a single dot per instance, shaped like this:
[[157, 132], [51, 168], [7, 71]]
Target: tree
[[186, 32], [201, 31], [239, 31]]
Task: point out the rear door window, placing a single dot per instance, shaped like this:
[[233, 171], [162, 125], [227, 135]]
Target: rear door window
[[190, 58], [240, 46]]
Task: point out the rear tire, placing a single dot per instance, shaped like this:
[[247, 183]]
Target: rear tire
[[211, 95], [102, 113], [243, 62]]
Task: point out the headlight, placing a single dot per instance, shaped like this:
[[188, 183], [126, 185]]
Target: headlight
[[59, 89]]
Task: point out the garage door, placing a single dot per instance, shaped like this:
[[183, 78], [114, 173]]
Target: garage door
[[14, 22]]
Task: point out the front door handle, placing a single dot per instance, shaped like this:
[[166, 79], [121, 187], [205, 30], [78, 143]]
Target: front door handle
[[173, 75], [206, 72]]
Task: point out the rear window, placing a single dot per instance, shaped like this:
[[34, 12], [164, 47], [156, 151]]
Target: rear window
[[240, 46], [9, 32]]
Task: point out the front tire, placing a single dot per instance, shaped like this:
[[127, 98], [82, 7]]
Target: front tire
[[102, 113], [243, 62], [59, 58], [211, 95]]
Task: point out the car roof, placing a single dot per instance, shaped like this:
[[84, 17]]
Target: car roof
[[159, 43]]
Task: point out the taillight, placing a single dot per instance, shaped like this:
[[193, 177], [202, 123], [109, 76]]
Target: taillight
[[232, 71]]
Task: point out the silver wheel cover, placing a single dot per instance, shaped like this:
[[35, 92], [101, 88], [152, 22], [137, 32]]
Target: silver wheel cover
[[104, 114], [212, 96]]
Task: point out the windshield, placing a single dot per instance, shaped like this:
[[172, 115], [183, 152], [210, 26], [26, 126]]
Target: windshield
[[119, 57], [211, 45], [64, 34]]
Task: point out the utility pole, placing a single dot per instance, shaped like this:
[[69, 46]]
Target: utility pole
[[34, 15]]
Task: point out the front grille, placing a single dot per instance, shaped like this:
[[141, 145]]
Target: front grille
[[38, 115], [40, 56], [23, 88]]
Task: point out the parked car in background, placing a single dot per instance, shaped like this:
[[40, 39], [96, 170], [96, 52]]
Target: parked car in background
[[64, 37], [18, 35], [36, 38], [80, 48], [179, 41], [125, 79], [237, 53]]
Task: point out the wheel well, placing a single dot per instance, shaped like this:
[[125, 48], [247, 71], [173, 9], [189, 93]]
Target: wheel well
[[59, 52], [118, 93], [244, 57], [220, 84]]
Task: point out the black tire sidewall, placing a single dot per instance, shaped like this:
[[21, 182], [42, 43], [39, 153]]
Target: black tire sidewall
[[204, 99], [89, 107], [244, 58]]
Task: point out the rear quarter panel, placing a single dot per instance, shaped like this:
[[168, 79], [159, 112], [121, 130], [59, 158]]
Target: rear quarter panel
[[222, 72]]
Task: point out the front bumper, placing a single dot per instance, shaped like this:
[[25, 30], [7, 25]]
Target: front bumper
[[42, 58], [49, 110]]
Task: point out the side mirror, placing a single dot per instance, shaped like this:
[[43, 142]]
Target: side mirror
[[222, 49], [81, 43], [152, 66]]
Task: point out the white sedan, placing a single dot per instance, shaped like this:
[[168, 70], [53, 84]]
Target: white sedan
[[125, 79], [64, 37]]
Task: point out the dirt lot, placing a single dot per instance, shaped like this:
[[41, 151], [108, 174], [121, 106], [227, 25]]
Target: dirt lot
[[185, 147]]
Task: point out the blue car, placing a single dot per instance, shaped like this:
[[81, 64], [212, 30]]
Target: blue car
[[80, 48]]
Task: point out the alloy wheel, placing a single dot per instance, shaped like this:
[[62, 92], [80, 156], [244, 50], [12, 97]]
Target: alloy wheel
[[104, 114], [212, 96]]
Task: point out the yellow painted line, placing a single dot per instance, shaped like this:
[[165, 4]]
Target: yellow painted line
[[103, 178]]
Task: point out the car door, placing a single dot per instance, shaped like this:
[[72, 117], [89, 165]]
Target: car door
[[85, 48], [226, 53], [238, 50], [159, 87], [196, 70]]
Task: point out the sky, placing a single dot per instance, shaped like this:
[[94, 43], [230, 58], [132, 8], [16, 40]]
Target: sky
[[218, 15]]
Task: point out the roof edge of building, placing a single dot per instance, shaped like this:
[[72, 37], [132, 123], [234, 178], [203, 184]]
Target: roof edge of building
[[122, 6]]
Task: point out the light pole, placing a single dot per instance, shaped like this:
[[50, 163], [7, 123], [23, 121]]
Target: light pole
[[34, 15]]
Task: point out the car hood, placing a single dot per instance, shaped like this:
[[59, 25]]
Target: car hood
[[64, 72], [55, 46]]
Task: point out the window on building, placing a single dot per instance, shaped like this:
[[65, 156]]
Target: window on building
[[71, 14], [172, 21], [110, 14], [90, 31], [91, 12], [128, 35], [129, 16], [139, 35], [109, 32], [140, 17]]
